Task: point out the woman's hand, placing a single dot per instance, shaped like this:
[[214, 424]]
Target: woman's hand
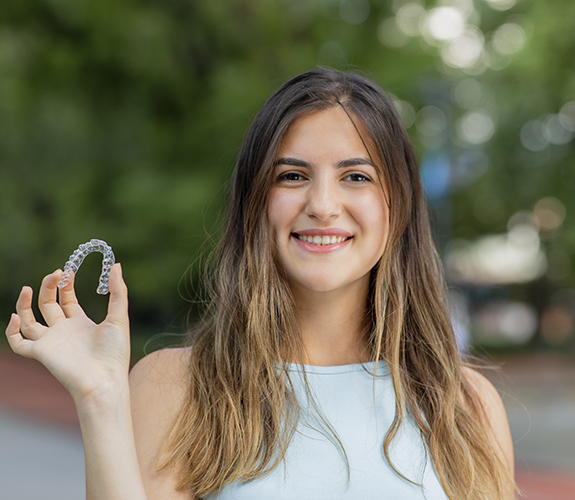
[[90, 360]]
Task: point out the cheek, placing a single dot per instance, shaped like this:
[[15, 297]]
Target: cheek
[[374, 210], [384, 220], [376, 219], [279, 206], [273, 211], [281, 210]]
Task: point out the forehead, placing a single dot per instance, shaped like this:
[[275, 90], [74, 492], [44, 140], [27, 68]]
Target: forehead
[[329, 131]]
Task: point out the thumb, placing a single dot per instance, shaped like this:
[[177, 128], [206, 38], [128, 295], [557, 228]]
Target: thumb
[[118, 304]]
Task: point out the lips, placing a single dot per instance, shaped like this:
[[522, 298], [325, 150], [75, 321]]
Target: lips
[[333, 231]]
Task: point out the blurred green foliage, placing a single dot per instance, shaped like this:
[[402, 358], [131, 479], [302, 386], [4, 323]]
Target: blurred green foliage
[[121, 120]]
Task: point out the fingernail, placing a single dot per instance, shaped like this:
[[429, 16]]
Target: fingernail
[[120, 268]]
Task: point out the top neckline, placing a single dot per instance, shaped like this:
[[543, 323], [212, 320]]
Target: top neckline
[[338, 369]]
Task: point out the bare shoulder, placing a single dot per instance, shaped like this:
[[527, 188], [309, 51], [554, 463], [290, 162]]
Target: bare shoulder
[[495, 412], [159, 387], [483, 387], [167, 367]]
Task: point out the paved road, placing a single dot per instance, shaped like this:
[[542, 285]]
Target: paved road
[[539, 396], [39, 460], [41, 455]]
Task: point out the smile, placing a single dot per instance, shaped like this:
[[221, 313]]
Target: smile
[[321, 240]]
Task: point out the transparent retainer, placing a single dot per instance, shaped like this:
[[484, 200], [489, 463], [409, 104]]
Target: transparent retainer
[[76, 259]]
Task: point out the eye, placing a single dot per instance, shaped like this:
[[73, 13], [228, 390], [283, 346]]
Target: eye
[[358, 178], [290, 177]]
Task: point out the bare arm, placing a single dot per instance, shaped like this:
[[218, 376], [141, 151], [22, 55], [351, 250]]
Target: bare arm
[[496, 415], [112, 469]]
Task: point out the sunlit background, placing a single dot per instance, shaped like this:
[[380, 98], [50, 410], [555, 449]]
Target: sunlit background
[[121, 120]]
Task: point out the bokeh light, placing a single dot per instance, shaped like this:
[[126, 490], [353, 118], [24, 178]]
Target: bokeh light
[[464, 51], [430, 121], [549, 212], [514, 257], [408, 18], [532, 137], [554, 131], [406, 112], [501, 4], [567, 115], [476, 127], [444, 23], [509, 39], [513, 322]]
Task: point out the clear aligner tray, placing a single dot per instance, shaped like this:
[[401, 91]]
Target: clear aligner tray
[[76, 259]]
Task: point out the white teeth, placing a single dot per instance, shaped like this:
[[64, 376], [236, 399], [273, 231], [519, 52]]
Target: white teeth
[[321, 240]]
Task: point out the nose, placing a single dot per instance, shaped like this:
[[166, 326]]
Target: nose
[[323, 201]]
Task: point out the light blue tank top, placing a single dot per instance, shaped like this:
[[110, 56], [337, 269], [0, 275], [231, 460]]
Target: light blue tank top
[[314, 468]]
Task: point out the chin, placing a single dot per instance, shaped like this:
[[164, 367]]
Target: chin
[[320, 285]]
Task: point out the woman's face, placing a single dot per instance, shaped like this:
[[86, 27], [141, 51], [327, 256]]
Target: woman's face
[[327, 209]]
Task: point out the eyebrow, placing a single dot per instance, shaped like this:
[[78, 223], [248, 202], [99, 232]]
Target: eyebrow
[[351, 162]]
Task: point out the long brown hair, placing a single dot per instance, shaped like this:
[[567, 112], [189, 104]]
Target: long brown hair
[[241, 412]]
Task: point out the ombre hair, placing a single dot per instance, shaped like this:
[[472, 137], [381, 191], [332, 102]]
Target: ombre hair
[[241, 412]]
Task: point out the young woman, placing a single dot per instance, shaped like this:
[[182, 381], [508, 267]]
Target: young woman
[[325, 366]]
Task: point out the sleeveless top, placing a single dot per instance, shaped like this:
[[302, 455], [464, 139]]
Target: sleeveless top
[[360, 412]]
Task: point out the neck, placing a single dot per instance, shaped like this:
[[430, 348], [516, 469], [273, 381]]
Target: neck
[[332, 325]]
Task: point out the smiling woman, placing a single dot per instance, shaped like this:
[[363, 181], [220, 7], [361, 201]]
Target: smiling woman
[[325, 365]]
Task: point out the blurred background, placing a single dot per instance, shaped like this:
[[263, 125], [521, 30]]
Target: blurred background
[[121, 120]]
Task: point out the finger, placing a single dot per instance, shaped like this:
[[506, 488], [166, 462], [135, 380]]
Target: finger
[[118, 304], [26, 320], [47, 303], [18, 344], [68, 301]]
